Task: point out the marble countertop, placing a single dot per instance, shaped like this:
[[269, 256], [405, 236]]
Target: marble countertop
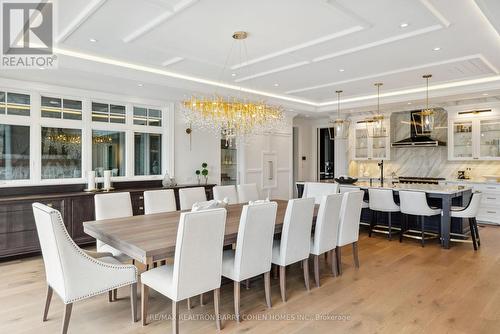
[[428, 188]]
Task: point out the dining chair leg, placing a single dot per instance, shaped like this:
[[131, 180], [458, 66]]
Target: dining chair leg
[[338, 251], [316, 269], [267, 288], [334, 262], [202, 300], [216, 308], [283, 283], [47, 302], [189, 303], [110, 296], [305, 264], [275, 271], [175, 317], [144, 303], [133, 301], [472, 233], [237, 300], [355, 254], [115, 294], [67, 316]]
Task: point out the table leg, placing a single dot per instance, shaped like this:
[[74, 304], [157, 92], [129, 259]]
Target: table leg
[[445, 222]]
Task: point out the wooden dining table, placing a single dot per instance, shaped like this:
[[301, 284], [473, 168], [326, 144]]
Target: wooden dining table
[[152, 238]]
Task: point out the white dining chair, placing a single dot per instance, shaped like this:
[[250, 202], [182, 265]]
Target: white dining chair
[[112, 206], [414, 203], [158, 201], [317, 190], [326, 231], [382, 200], [229, 192], [295, 242], [350, 214], [197, 263], [254, 245], [469, 212], [248, 192], [73, 273], [189, 196]]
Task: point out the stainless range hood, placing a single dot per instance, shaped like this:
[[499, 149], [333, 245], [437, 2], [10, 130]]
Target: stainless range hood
[[418, 137]]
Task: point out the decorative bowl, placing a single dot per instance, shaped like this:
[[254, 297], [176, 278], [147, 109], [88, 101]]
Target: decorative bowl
[[346, 180]]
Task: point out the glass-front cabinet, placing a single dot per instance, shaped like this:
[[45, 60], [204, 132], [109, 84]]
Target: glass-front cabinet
[[475, 139], [228, 161], [368, 147]]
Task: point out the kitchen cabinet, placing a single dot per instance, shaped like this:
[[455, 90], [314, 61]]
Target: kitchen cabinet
[[367, 147], [474, 138]]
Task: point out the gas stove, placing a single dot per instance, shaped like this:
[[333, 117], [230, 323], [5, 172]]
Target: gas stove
[[422, 180]]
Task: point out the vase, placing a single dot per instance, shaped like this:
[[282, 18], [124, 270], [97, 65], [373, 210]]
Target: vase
[[199, 180]]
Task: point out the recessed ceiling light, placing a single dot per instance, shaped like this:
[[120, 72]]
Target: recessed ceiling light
[[341, 70], [409, 102], [140, 84], [93, 40], [436, 49], [404, 25], [485, 94], [276, 84], [233, 74]]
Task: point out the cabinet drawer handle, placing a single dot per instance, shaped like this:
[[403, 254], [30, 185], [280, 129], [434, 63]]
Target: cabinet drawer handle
[[141, 208], [493, 198], [141, 197], [491, 211], [491, 188]]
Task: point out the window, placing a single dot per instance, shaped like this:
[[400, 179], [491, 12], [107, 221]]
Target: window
[[108, 152], [53, 107], [18, 104], [61, 153], [108, 113], [146, 116], [147, 149], [14, 152]]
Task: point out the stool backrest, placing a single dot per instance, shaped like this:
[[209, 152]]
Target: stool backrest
[[382, 200], [414, 203]]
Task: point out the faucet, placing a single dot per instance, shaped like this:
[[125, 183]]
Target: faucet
[[381, 166]]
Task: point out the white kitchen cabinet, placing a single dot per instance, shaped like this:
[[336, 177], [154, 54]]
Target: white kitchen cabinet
[[366, 147], [474, 138]]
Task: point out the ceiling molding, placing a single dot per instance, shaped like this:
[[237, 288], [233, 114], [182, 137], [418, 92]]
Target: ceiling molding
[[275, 70], [172, 61], [400, 70], [301, 46], [489, 19], [152, 24], [436, 13], [81, 18]]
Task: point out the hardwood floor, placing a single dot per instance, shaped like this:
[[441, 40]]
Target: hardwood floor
[[399, 288]]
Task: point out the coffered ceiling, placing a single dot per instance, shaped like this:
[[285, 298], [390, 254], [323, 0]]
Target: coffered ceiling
[[298, 52]]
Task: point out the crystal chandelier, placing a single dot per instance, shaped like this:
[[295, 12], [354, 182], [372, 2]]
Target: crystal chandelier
[[340, 125], [232, 117], [427, 114], [375, 125]]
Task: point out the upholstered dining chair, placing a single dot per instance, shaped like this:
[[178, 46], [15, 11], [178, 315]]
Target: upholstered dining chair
[[229, 192], [73, 273], [350, 214], [197, 263], [317, 190], [254, 245], [295, 242], [158, 201], [189, 196], [326, 231], [111, 206], [247, 192]]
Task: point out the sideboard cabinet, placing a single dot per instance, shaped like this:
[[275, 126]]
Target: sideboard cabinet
[[18, 235]]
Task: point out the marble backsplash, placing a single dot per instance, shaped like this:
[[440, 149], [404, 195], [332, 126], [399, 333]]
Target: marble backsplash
[[423, 162]]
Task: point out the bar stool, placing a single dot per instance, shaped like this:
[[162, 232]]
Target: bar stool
[[364, 203], [415, 203], [469, 212], [382, 200]]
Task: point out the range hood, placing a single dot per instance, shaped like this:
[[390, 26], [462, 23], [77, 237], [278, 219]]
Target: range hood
[[418, 137]]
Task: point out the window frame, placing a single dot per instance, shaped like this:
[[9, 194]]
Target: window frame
[[35, 121]]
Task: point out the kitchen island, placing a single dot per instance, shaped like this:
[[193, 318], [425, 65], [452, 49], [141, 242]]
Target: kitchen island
[[442, 194]]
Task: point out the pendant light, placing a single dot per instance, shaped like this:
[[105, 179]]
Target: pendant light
[[375, 125], [427, 114], [340, 125]]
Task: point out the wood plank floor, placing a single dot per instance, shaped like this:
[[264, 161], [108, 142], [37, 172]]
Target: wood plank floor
[[399, 288]]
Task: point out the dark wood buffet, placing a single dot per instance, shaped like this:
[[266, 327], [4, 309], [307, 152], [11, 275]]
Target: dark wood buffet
[[18, 234]]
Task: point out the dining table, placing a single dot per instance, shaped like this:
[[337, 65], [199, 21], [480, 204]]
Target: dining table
[[152, 238]]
